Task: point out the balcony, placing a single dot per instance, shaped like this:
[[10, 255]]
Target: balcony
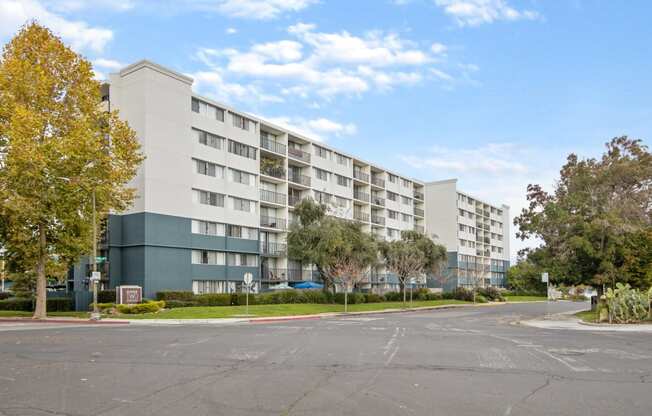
[[273, 197], [376, 200], [377, 220], [272, 249], [359, 175], [299, 154], [377, 182], [274, 172], [293, 200], [418, 195], [418, 212], [287, 275], [361, 196], [361, 216], [299, 179], [272, 146], [272, 222], [419, 229]]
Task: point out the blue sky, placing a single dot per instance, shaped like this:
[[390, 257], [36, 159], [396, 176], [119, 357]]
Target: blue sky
[[493, 92]]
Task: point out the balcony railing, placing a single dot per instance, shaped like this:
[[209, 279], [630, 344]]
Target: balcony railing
[[418, 211], [361, 216], [273, 197], [269, 248], [272, 222], [376, 200], [272, 145], [419, 229], [299, 154], [293, 200], [361, 196], [288, 275], [358, 174], [298, 178], [418, 195], [377, 220], [378, 182], [273, 172]]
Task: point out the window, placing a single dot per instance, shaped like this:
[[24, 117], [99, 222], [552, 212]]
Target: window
[[237, 231], [500, 212], [406, 218], [206, 109], [242, 149], [342, 160], [321, 174], [207, 228], [342, 180], [208, 198], [462, 227], [463, 243], [461, 211], [406, 200], [245, 205], [406, 183], [241, 122], [213, 258], [322, 197], [341, 202], [208, 139], [391, 233], [392, 178], [392, 196], [208, 168], [321, 152], [244, 178], [392, 214], [240, 259]]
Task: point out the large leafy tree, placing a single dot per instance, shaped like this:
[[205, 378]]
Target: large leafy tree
[[59, 148], [414, 255], [597, 207]]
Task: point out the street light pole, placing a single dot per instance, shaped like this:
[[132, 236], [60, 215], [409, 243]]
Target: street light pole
[[96, 312]]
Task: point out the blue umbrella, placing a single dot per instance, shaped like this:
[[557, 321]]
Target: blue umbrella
[[308, 285]]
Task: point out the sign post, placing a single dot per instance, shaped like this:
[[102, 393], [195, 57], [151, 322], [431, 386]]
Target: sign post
[[95, 279], [412, 282], [248, 278], [546, 279]]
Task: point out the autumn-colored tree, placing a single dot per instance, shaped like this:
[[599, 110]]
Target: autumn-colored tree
[[58, 147], [597, 206]]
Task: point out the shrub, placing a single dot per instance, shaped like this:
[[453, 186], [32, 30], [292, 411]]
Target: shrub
[[372, 298], [317, 296], [352, 298], [106, 296], [148, 307], [393, 296], [240, 299], [59, 304], [16, 304], [434, 296], [171, 304], [480, 299], [464, 294], [213, 299], [103, 307], [4, 295], [175, 295], [491, 293], [626, 305]]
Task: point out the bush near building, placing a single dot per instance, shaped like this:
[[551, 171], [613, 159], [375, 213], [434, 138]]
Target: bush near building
[[27, 305]]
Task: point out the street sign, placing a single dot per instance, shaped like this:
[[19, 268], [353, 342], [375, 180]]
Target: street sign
[[100, 259], [95, 276], [544, 277], [248, 278]]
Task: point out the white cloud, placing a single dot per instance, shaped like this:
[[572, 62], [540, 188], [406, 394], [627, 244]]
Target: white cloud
[[109, 64], [81, 36], [282, 51], [212, 84], [253, 9], [477, 12], [76, 5], [438, 48], [231, 31], [319, 129]]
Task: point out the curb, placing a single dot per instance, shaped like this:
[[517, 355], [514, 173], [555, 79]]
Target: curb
[[64, 321]]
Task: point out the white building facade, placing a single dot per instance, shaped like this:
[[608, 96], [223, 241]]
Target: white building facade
[[475, 233], [217, 190]]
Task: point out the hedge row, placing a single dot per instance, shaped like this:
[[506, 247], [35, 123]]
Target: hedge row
[[27, 305]]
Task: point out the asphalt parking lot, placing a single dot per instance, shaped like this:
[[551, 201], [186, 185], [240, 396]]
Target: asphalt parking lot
[[472, 361]]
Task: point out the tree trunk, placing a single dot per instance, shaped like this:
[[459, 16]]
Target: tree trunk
[[40, 310], [403, 293], [346, 298]]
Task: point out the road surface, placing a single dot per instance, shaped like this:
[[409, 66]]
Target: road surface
[[473, 361]]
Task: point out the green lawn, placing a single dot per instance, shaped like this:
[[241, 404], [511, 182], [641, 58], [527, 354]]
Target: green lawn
[[525, 298], [588, 316], [19, 314], [277, 310]]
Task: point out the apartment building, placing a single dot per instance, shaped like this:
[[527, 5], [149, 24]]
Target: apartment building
[[475, 233], [217, 190]]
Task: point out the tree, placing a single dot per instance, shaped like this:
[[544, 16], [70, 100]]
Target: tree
[[525, 276], [59, 148], [412, 256], [596, 207]]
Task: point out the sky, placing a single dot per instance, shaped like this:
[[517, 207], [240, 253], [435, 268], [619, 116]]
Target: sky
[[495, 93]]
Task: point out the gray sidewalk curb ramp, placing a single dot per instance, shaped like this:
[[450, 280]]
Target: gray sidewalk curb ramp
[[566, 321]]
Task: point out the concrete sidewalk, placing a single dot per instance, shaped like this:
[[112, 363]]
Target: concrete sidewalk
[[569, 322]]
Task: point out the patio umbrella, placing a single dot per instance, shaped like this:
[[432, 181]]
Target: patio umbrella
[[281, 286], [308, 285]]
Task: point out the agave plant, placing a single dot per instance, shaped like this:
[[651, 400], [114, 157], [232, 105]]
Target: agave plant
[[627, 305]]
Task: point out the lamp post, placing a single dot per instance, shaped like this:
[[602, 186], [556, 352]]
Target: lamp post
[[94, 276]]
